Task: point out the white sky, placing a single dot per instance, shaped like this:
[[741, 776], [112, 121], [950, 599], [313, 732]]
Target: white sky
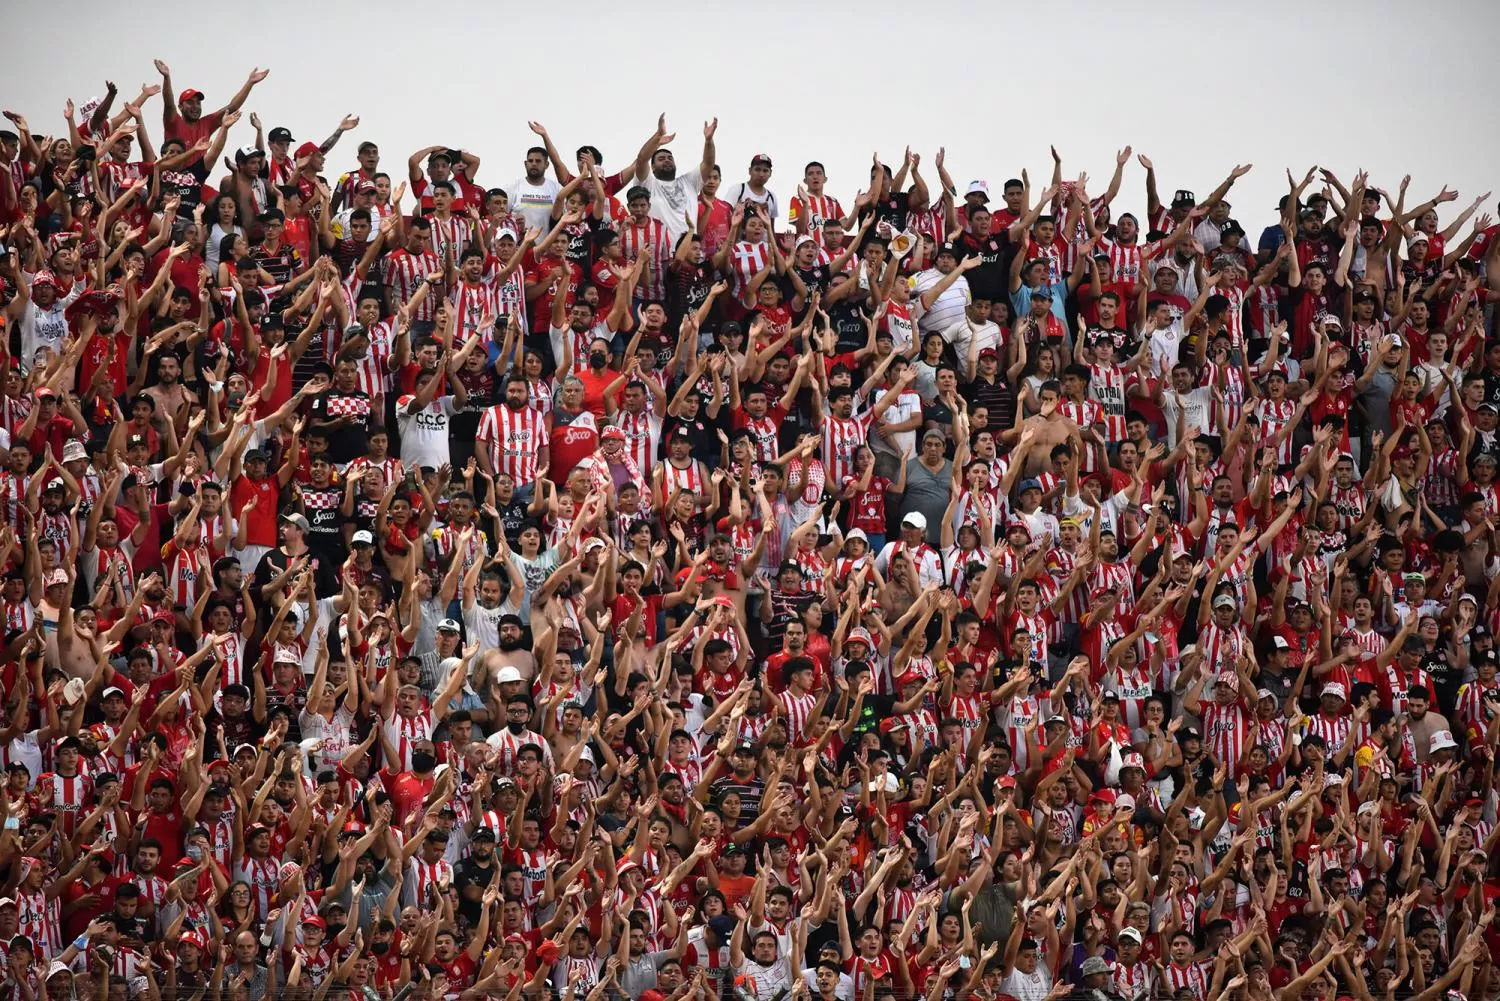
[[1393, 88]]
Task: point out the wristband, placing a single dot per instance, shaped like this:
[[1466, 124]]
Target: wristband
[[81, 942]]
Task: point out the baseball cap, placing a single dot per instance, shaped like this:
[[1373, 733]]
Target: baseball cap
[[280, 134], [307, 149], [294, 518], [362, 538], [1225, 601], [449, 625], [508, 674], [760, 159], [190, 95], [978, 188], [916, 519]]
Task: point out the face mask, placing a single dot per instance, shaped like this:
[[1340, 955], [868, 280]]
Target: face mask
[[423, 762], [597, 359], [515, 727], [380, 948]]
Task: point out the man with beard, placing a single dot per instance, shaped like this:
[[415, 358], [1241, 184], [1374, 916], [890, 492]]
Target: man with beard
[[531, 196], [474, 874], [673, 196], [482, 598], [513, 649]]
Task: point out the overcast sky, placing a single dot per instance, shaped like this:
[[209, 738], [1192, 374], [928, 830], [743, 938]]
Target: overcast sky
[[1393, 88]]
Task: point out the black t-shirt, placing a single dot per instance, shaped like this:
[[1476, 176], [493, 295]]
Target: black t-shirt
[[325, 518], [345, 444], [512, 516], [688, 286], [892, 209], [848, 319], [325, 571], [1446, 678], [991, 279], [470, 873], [481, 386]]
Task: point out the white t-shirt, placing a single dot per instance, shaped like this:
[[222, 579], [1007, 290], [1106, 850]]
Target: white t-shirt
[[948, 308], [741, 193], [907, 406], [1166, 344], [672, 200], [1110, 509], [1194, 407], [424, 434], [1032, 986], [963, 334], [533, 202], [483, 624]]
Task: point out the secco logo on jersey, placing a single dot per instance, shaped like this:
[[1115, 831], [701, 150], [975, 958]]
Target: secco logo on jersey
[[572, 435]]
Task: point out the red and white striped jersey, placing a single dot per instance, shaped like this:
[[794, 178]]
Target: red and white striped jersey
[[232, 658], [747, 260], [1060, 563], [689, 480], [19, 615], [1195, 977], [404, 274], [427, 874], [403, 731], [799, 710], [956, 560], [842, 437], [1441, 481], [1368, 640], [1107, 386], [1333, 729], [510, 294], [472, 301], [1135, 982], [1233, 392], [40, 921], [816, 210], [513, 439], [636, 238], [764, 433], [1234, 321], [1085, 414], [184, 566], [1273, 416], [1222, 648], [642, 437], [372, 371], [1470, 704], [391, 468], [932, 221], [449, 236], [264, 879], [1225, 729], [1126, 259], [66, 796], [59, 528]]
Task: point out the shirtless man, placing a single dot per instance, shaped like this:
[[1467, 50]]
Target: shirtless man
[[1044, 431], [169, 392]]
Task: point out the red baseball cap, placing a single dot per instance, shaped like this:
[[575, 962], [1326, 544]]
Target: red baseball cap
[[190, 95], [308, 149]]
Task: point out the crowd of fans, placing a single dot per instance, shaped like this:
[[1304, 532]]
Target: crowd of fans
[[635, 582]]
